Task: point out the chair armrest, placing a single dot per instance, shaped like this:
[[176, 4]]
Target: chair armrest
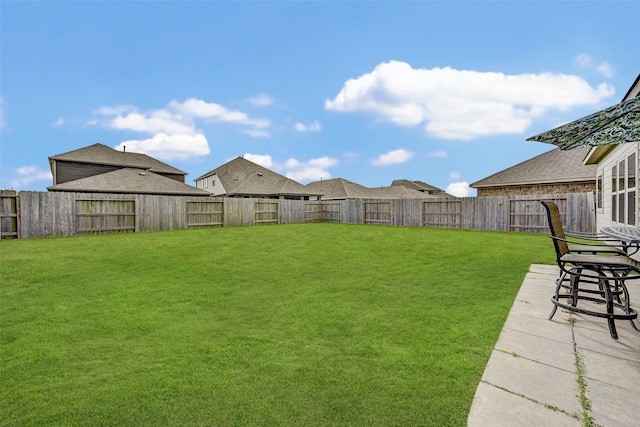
[[590, 236], [585, 247]]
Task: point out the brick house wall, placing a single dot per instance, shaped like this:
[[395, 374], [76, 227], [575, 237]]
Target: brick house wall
[[520, 190]]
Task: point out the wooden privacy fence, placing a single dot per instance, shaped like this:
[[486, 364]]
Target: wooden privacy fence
[[49, 214], [9, 215]]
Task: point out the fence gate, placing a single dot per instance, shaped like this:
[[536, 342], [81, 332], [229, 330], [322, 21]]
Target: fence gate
[[266, 213], [9, 215], [442, 214], [530, 216], [105, 216], [205, 213], [377, 213]]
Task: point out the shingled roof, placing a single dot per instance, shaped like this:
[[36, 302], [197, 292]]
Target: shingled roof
[[417, 185], [555, 166], [398, 192], [341, 189], [102, 154], [129, 180], [242, 177]]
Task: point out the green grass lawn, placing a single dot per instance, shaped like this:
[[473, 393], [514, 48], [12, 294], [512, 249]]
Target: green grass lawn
[[292, 325]]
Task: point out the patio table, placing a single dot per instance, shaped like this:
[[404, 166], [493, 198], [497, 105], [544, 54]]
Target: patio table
[[629, 236]]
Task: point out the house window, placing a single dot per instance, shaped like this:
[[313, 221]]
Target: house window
[[206, 183], [631, 190], [621, 192], [624, 190], [599, 182], [614, 190]]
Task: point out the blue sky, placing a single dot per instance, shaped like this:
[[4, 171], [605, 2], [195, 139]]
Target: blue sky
[[441, 92]]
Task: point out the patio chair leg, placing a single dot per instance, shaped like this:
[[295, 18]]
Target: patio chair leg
[[627, 302], [556, 296], [609, 303]]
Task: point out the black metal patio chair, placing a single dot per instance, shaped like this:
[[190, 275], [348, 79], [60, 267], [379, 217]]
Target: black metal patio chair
[[588, 242], [596, 276]]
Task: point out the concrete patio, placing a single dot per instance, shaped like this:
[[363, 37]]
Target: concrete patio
[[534, 374]]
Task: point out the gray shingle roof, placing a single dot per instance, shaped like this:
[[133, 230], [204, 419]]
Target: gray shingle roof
[[555, 166], [101, 154], [416, 185], [341, 189], [243, 177], [398, 192], [131, 181]]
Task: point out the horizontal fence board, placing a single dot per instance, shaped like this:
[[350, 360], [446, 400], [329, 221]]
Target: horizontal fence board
[[51, 214]]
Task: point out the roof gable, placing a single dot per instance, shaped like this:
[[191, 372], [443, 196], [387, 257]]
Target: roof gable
[[243, 177], [132, 181], [417, 185], [101, 154], [554, 166], [339, 188]]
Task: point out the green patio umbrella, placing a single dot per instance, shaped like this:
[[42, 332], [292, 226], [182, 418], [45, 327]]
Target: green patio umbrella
[[614, 125]]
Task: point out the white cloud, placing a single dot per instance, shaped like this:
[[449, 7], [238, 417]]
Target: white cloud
[[313, 170], [157, 121], [169, 146], [605, 69], [172, 130], [263, 160], [459, 189], [454, 175], [59, 123], [114, 111], [584, 60], [28, 174], [441, 154], [323, 162], [262, 100], [312, 127], [197, 108], [256, 133], [393, 157], [460, 104]]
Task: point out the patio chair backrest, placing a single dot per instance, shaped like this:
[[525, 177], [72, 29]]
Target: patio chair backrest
[[555, 226]]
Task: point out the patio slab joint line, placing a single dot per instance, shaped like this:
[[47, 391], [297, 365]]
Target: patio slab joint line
[[537, 402], [515, 354], [585, 403]]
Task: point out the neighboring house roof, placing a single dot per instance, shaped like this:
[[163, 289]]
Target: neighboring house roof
[[243, 177], [554, 166], [416, 185], [422, 187], [101, 154], [341, 189], [398, 192], [132, 181]]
